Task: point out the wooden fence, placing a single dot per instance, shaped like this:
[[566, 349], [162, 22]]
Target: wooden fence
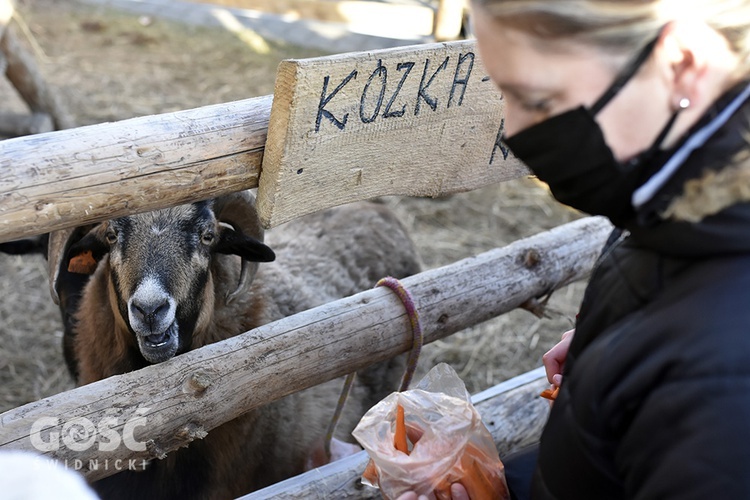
[[419, 120], [305, 349]]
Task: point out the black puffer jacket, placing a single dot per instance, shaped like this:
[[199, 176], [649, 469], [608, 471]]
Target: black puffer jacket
[[655, 402]]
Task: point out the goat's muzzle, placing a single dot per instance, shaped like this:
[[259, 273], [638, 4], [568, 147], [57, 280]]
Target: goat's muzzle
[[152, 317]]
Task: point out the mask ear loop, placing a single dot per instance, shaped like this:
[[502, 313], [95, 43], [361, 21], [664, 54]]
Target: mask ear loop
[[628, 72]]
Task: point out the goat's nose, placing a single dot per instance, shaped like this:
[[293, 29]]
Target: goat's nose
[[150, 309], [151, 313]]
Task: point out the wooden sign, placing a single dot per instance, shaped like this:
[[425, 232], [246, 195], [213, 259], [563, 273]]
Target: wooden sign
[[419, 121]]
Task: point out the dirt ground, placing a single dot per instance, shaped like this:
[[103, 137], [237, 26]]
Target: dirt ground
[[110, 66]]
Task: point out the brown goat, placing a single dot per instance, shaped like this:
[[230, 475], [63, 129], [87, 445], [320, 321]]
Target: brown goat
[[173, 280]]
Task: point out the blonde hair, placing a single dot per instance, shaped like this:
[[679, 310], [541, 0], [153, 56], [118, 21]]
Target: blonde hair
[[624, 25]]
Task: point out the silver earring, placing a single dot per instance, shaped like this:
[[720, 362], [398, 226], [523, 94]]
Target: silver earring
[[684, 103]]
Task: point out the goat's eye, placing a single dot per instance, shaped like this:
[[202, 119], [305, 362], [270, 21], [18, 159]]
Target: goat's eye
[[207, 238], [111, 236]]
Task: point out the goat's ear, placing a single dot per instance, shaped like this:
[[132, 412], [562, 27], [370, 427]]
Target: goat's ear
[[247, 247], [85, 254]]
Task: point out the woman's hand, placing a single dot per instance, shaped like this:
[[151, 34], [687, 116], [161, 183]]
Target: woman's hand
[[458, 492], [554, 359]]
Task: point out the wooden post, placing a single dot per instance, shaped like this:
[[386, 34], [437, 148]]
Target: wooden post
[[512, 411], [449, 20], [6, 13], [23, 72], [274, 360]]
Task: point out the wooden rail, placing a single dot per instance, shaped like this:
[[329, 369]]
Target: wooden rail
[[180, 400], [88, 174]]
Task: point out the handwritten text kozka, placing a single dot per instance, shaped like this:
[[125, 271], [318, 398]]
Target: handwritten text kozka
[[382, 98], [423, 120]]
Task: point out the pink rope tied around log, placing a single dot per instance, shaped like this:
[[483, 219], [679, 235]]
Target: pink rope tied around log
[[416, 327], [411, 364]]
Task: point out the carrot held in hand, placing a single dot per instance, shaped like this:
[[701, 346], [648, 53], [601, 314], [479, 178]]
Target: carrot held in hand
[[550, 393]]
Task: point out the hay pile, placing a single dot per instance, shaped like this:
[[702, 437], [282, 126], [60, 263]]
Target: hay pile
[[111, 66]]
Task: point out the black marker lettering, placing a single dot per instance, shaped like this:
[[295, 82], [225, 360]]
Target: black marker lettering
[[381, 71], [499, 144], [324, 100], [398, 114], [422, 94], [463, 82]]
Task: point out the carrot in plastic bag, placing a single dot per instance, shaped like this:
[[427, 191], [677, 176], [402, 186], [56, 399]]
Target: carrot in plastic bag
[[400, 437], [449, 442]]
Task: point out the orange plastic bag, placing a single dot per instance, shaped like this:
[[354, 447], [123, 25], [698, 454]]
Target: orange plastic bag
[[444, 438]]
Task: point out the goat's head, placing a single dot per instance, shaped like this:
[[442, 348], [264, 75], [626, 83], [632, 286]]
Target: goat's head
[[160, 265]]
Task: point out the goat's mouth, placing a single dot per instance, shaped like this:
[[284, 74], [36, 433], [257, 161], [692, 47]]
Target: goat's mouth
[[159, 347]]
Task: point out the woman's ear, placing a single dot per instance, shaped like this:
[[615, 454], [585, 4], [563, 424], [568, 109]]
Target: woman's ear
[[680, 63], [696, 61]]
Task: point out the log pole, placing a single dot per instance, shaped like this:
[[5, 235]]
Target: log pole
[[449, 20], [88, 174], [23, 72]]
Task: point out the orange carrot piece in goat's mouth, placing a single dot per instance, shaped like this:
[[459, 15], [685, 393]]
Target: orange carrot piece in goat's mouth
[[400, 441]]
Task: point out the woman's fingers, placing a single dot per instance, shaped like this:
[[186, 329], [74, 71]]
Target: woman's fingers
[[458, 492], [554, 359], [409, 495]]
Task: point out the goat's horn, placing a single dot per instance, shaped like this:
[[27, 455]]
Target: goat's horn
[[238, 210], [59, 242]]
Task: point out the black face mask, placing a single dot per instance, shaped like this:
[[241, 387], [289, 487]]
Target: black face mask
[[569, 153]]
